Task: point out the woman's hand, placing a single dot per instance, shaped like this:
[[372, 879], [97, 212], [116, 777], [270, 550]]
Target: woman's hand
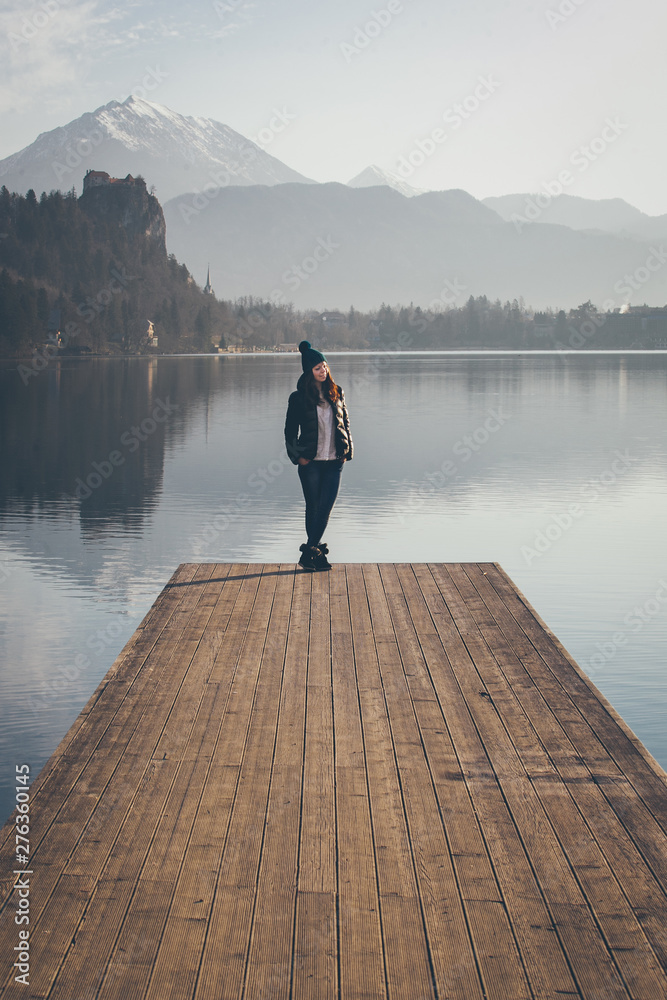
[[304, 461]]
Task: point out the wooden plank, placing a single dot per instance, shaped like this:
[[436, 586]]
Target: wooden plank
[[361, 964], [613, 829], [315, 966], [119, 883], [178, 727], [226, 629], [447, 931], [110, 790], [64, 910], [406, 954], [381, 782], [485, 886], [269, 964], [314, 973], [317, 866], [520, 890], [128, 970], [634, 796], [460, 768], [184, 933], [109, 691], [194, 824], [68, 847], [629, 754], [634, 957], [179, 811], [169, 601], [260, 675], [594, 963]]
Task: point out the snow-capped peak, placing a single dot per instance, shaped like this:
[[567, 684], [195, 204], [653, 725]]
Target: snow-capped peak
[[174, 152], [374, 176]]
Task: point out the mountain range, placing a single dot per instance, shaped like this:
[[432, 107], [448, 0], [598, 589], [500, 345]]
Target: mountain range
[[332, 246], [268, 231], [608, 215]]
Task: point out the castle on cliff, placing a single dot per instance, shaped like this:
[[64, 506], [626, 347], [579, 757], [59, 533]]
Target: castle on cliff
[[100, 178], [126, 201]]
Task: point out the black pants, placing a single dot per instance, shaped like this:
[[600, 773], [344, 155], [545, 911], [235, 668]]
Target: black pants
[[319, 482]]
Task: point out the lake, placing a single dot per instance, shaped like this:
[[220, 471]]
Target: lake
[[114, 471]]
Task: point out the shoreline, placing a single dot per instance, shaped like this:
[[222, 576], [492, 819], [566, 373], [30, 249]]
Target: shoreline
[[23, 359]]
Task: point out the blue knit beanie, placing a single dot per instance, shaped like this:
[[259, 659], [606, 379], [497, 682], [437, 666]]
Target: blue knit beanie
[[309, 356]]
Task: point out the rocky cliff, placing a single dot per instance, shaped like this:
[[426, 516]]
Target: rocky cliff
[[127, 202]]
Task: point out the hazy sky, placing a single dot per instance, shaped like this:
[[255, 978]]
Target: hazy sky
[[359, 82]]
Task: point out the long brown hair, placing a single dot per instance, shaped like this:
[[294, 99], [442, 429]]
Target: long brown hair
[[330, 390]]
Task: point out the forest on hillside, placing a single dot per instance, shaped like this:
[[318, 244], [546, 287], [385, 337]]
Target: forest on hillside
[[77, 276], [96, 280]]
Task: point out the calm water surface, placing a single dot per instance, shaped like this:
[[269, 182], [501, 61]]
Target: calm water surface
[[116, 471]]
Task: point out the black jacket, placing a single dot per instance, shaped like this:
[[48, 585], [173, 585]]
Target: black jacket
[[301, 426]]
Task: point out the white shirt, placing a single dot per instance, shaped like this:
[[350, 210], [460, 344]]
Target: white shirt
[[326, 438]]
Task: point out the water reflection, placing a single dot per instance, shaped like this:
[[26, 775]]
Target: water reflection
[[114, 471]]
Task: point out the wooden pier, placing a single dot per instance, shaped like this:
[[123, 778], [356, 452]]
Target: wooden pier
[[387, 782]]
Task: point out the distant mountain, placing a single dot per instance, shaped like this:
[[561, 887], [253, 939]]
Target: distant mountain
[[173, 152], [330, 246], [608, 215], [375, 177]]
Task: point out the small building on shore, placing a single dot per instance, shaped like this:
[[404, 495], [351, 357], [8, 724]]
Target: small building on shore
[[333, 318], [151, 336]]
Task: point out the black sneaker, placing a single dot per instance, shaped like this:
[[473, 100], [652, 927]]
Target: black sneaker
[[309, 554], [321, 561]]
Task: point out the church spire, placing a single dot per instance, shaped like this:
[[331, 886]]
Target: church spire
[[207, 288]]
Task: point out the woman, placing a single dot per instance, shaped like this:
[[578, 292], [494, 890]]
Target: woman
[[318, 441]]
